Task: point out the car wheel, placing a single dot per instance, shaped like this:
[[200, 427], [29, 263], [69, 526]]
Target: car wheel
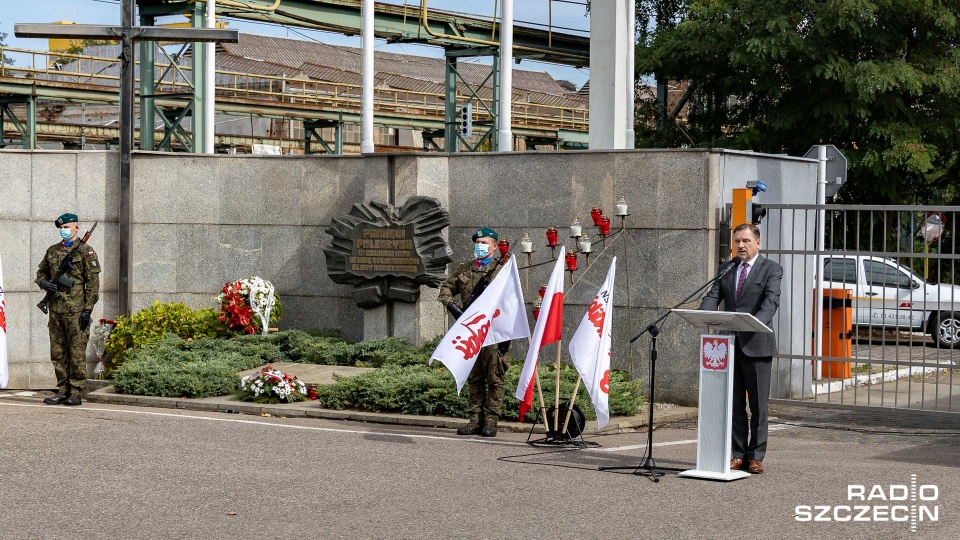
[[946, 333]]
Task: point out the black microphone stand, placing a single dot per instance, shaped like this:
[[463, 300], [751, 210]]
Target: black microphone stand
[[648, 467]]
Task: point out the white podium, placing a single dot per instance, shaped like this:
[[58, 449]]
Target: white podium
[[715, 424]]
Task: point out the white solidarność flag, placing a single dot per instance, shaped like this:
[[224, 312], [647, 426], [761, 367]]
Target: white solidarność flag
[[590, 347], [497, 315], [548, 330], [4, 372]]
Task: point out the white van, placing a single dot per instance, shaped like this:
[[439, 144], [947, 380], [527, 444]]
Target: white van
[[887, 294]]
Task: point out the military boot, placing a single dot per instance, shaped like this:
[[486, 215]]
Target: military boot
[[472, 428], [57, 399], [489, 428], [73, 399]]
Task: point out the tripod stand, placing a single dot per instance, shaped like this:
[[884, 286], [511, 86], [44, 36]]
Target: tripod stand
[[648, 467]]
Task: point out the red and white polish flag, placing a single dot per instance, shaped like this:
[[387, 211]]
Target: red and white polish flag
[[499, 314], [4, 370], [590, 347], [548, 329]]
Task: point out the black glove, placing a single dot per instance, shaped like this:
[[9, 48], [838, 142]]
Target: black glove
[[85, 319], [454, 309], [503, 347], [48, 285]]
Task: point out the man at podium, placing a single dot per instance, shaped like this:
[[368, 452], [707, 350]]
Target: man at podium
[[754, 287]]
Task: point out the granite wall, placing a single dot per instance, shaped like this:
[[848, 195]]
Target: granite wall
[[202, 220]]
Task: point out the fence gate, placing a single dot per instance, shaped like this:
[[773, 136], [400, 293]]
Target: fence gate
[[890, 329]]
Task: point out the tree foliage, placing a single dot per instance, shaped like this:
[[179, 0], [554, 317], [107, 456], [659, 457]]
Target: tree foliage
[[880, 79]]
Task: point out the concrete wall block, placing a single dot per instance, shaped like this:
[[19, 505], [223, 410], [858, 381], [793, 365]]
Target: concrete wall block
[[471, 194], [281, 256], [350, 319], [241, 190], [154, 189], [32, 376], [241, 252], [199, 259], [313, 265], [198, 190], [54, 189], [406, 177], [682, 196], [98, 181], [143, 301], [283, 191], [681, 268], [19, 269], [306, 312], [375, 323], [16, 186], [39, 334], [18, 310], [322, 197], [156, 255], [637, 177]]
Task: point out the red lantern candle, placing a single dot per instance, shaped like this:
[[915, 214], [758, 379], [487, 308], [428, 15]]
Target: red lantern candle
[[542, 291], [552, 237], [536, 313], [503, 246], [604, 226], [595, 214], [312, 392], [571, 259]]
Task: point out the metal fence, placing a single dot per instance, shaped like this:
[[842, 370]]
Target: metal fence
[[889, 334]]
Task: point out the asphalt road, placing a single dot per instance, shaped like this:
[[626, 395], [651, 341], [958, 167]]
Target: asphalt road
[[126, 472]]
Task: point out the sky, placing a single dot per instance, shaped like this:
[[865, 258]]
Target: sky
[[565, 13]]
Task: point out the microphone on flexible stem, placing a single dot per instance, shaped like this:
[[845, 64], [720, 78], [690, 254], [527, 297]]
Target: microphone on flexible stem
[[734, 262]]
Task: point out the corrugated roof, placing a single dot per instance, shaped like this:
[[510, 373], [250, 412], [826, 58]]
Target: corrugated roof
[[294, 53]]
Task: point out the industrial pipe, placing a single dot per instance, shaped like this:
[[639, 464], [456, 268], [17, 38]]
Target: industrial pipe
[[366, 129], [504, 122]]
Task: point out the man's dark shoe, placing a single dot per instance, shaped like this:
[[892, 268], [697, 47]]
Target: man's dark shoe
[[56, 400], [755, 467], [736, 464], [472, 428], [489, 429], [73, 399]]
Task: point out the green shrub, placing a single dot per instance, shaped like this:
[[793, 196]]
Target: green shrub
[[152, 324], [173, 367], [419, 389]]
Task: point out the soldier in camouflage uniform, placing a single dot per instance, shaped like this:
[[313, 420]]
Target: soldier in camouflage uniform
[[71, 309], [485, 383]]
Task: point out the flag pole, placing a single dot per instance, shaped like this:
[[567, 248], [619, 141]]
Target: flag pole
[[556, 393], [576, 388], [543, 405]]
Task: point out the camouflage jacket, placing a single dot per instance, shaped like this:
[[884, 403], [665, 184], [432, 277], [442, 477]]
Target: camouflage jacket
[[463, 280], [84, 272]]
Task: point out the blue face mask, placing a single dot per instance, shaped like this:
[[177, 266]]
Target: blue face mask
[[66, 234], [481, 250]]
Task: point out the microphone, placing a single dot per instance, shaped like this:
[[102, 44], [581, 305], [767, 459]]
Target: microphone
[[734, 262]]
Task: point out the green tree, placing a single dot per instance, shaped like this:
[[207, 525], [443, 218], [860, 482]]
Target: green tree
[[4, 59], [878, 78]]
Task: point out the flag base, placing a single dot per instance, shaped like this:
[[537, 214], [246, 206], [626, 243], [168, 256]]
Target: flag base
[[573, 436], [710, 475]]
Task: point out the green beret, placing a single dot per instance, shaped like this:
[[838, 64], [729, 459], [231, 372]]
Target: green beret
[[484, 232], [66, 218]]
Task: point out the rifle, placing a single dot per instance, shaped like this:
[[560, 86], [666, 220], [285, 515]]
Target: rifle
[[65, 266]]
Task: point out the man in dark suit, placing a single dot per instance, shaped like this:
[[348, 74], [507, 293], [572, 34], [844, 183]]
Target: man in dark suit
[[754, 287]]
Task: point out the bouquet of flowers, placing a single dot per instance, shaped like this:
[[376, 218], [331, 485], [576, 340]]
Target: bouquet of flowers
[[271, 385], [101, 334], [249, 305]]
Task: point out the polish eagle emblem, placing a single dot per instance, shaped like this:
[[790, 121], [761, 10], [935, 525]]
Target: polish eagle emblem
[[715, 354]]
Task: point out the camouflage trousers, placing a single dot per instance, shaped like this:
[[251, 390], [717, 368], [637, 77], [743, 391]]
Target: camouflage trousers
[[68, 351], [485, 385]]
